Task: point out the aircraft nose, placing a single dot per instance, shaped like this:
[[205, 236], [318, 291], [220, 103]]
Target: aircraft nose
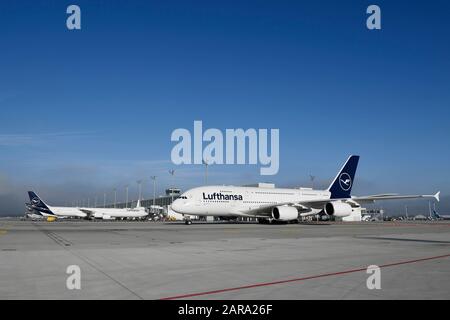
[[176, 206]]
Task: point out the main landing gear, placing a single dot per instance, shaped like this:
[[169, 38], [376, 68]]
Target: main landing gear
[[187, 222], [264, 221]]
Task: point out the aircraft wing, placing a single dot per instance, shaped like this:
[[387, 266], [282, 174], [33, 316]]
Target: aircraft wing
[[265, 210], [88, 212], [373, 198]]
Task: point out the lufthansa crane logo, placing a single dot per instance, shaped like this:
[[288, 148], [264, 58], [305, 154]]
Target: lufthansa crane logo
[[36, 201], [345, 181]]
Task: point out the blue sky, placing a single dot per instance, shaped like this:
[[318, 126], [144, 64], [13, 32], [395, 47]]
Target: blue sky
[[86, 111]]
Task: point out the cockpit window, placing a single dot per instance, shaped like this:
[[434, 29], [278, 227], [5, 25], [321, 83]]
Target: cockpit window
[[183, 197]]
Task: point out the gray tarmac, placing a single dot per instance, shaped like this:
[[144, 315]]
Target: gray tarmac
[[155, 260]]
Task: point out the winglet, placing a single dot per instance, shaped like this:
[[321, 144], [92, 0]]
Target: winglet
[[436, 196]]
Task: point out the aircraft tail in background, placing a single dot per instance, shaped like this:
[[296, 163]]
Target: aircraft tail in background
[[341, 186]]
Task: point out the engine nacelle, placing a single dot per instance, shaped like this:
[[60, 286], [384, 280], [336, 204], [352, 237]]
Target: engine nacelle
[[106, 217], [338, 209], [284, 213]]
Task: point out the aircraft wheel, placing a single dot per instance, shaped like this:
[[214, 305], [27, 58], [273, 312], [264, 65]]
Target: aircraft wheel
[[188, 222]]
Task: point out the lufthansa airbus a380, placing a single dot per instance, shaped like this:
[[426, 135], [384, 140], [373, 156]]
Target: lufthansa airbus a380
[[280, 204]]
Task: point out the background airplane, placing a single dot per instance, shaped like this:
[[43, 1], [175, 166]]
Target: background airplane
[[98, 213], [51, 211], [439, 216]]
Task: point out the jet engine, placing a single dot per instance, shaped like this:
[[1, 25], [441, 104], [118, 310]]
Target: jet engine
[[338, 209], [284, 213]]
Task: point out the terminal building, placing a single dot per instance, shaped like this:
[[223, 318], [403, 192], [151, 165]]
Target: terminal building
[[162, 201]]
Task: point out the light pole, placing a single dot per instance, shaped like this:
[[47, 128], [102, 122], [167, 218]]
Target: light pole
[[429, 210], [206, 163], [126, 201], [311, 177], [115, 197], [139, 182], [154, 188], [104, 200], [89, 202], [96, 198]]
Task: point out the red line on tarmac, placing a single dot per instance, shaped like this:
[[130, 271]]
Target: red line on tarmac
[[265, 284], [385, 224], [419, 225]]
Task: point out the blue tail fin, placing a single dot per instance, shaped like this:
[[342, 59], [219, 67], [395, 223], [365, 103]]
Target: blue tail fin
[[341, 187], [36, 202]]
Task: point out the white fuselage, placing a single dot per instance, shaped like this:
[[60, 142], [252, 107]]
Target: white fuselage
[[66, 212], [118, 212], [96, 212], [236, 201]]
